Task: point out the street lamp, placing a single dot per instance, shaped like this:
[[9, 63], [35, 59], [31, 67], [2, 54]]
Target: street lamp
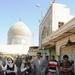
[[39, 27], [41, 10], [38, 5]]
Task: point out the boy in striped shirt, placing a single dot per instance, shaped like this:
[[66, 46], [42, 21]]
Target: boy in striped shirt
[[52, 64]]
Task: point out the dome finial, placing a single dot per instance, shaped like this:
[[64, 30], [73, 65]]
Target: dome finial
[[20, 19]]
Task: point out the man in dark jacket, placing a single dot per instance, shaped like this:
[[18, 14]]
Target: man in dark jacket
[[66, 66], [27, 67], [18, 63]]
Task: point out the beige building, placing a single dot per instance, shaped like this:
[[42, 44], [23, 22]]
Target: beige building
[[53, 19], [57, 30], [19, 39], [33, 51]]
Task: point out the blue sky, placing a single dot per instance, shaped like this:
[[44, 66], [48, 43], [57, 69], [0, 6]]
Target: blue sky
[[12, 10]]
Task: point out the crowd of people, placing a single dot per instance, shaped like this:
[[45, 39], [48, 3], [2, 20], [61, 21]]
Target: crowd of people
[[27, 65]]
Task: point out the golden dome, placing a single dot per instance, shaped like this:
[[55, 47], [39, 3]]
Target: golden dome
[[19, 28]]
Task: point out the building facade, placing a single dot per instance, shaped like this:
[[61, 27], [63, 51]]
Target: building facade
[[57, 32], [53, 25], [53, 19]]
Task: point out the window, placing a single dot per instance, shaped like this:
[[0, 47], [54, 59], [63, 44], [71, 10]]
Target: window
[[60, 24]]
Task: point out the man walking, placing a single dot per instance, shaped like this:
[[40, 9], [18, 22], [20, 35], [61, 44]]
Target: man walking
[[39, 65]]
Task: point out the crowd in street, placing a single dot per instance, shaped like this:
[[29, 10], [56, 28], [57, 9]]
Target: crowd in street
[[26, 65]]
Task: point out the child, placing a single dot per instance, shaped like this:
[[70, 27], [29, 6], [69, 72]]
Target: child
[[10, 66]]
